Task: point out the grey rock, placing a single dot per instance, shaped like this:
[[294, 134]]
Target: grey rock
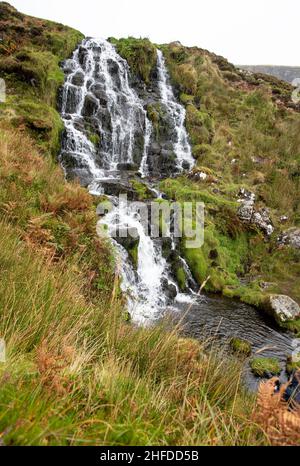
[[245, 195], [90, 106], [246, 211], [282, 308], [115, 188], [262, 220], [291, 238], [248, 214], [78, 79]]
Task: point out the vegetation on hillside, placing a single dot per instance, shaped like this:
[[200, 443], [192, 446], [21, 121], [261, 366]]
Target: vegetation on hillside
[[30, 53], [244, 131], [140, 55]]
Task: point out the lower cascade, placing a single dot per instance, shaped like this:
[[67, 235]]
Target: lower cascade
[[108, 138]]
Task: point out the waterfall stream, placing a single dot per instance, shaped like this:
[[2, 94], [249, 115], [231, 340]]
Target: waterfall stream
[[97, 94], [178, 114], [109, 139]]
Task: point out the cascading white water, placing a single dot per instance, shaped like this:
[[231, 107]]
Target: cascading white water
[[144, 169], [146, 297], [177, 112], [96, 74]]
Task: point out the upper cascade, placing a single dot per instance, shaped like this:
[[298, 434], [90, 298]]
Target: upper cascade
[[177, 113], [107, 129], [106, 125]]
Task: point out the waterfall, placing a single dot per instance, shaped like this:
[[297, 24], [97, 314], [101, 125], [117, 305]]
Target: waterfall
[[107, 135], [97, 92], [144, 287], [177, 113]]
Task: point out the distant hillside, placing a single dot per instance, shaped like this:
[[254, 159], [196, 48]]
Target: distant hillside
[[287, 73]]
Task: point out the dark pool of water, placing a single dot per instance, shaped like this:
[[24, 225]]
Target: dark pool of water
[[221, 318]]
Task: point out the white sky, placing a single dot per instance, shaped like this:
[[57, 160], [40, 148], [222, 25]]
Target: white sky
[[244, 31]]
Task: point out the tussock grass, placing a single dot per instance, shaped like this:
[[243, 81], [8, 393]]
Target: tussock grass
[[74, 377]]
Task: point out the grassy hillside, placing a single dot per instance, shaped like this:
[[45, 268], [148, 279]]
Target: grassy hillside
[[245, 135], [72, 375]]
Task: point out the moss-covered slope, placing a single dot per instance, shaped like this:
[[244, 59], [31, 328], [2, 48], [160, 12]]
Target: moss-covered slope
[[244, 131], [30, 53]]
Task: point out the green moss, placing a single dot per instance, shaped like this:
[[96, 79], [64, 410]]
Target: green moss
[[140, 55], [42, 121], [264, 367], [200, 126], [134, 253], [33, 76], [198, 263], [142, 190], [241, 346], [186, 98], [292, 365], [293, 326], [95, 139], [181, 278], [250, 294], [183, 189]]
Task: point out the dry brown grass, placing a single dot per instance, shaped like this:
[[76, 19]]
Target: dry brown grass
[[279, 420]]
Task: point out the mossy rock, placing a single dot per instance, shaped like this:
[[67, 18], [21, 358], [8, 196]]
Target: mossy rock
[[240, 346], [186, 98], [134, 253], [140, 55], [142, 190], [181, 278], [265, 367], [292, 365], [95, 139]]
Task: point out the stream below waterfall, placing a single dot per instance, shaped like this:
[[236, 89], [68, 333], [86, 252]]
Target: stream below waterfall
[[109, 139]]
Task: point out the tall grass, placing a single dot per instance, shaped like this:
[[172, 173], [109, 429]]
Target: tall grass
[[73, 375]]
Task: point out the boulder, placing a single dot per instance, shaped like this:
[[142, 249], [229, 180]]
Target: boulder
[[130, 240], [169, 289], [282, 308], [291, 238], [246, 211], [248, 214], [245, 195], [78, 79], [116, 187], [262, 220], [91, 106], [69, 66]]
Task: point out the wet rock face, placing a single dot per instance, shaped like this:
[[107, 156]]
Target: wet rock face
[[161, 155], [103, 98], [282, 308]]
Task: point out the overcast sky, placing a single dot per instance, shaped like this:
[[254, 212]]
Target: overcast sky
[[244, 31]]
